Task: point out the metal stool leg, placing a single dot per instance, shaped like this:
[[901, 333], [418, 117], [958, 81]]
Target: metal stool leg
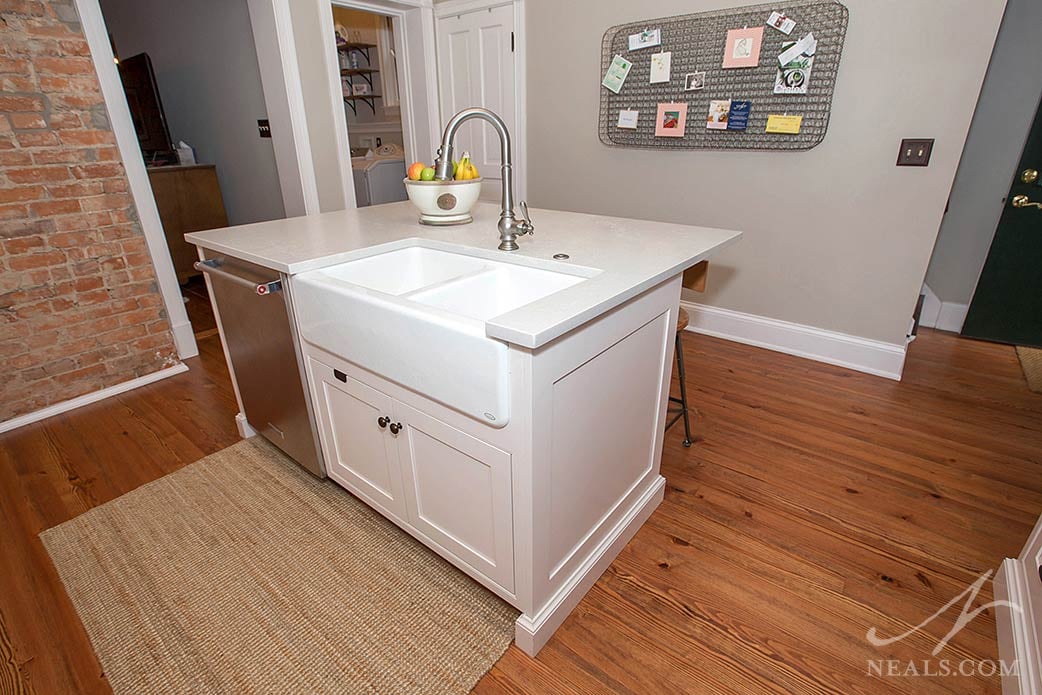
[[683, 390]]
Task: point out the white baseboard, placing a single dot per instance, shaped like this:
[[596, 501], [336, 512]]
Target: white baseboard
[[861, 354], [931, 308], [1016, 633], [245, 430], [952, 317], [944, 316], [184, 340], [88, 398], [532, 632]]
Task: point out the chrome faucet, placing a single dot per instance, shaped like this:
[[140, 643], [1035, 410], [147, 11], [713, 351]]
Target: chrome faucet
[[510, 228]]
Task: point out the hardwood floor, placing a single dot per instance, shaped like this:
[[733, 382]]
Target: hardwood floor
[[817, 503]]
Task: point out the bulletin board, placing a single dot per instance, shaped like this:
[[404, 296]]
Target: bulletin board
[[697, 43]]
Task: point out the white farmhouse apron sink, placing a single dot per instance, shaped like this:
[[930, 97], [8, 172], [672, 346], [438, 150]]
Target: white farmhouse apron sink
[[417, 315]]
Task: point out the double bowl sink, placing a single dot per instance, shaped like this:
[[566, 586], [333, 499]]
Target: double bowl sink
[[416, 316]]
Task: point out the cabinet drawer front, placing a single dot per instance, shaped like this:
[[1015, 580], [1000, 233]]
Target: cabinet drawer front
[[360, 453], [459, 495]]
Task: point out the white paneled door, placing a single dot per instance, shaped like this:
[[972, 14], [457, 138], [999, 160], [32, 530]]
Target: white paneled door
[[476, 68]]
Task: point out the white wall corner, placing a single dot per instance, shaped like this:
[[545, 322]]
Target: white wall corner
[[931, 308], [952, 317], [860, 354], [944, 316]]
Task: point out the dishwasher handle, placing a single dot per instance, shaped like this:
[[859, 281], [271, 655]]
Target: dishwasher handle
[[213, 267]]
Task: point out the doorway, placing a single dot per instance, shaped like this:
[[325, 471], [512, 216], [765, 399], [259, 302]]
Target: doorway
[[477, 67], [197, 107], [372, 103], [1007, 303]]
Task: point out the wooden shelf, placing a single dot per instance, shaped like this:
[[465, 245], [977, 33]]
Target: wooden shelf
[[356, 46], [358, 71], [355, 97]]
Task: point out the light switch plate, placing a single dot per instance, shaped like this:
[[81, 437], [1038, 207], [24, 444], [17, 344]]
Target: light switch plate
[[915, 153]]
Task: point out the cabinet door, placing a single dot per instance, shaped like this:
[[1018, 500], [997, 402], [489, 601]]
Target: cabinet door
[[458, 491], [360, 453]]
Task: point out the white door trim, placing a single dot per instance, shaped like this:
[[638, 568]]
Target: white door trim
[[343, 144], [284, 101], [448, 8], [134, 164], [419, 126]]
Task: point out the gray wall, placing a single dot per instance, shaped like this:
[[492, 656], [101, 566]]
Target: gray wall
[[1000, 127], [206, 68], [849, 254]]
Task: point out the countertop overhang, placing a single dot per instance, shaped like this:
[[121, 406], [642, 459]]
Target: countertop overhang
[[631, 255]]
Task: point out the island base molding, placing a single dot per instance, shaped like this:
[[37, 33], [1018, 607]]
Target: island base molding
[[532, 632]]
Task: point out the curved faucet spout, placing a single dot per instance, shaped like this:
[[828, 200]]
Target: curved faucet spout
[[510, 228]]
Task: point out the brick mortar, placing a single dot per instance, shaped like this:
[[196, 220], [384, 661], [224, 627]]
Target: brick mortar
[[80, 308]]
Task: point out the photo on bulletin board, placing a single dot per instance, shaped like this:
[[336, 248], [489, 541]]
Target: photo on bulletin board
[[671, 120], [742, 49], [694, 81], [719, 113]]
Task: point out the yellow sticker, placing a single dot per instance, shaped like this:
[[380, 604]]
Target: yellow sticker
[[784, 124]]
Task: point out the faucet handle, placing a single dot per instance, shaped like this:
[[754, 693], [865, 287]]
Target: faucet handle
[[529, 227]]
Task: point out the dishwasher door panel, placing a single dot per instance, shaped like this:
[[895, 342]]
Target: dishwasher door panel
[[262, 350]]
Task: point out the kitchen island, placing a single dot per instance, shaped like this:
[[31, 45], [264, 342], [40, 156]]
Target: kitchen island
[[505, 408]]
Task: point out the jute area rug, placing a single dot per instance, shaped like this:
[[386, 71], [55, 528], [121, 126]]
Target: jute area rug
[[1031, 362], [241, 573]]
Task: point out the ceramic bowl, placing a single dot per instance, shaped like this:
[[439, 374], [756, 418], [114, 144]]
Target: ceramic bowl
[[444, 202]]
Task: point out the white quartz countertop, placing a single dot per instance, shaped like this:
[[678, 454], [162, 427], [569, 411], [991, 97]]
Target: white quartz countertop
[[631, 255]]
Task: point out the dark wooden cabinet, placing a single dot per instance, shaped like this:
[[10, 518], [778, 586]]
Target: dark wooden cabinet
[[189, 200]]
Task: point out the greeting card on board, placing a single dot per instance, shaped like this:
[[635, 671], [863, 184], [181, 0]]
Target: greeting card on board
[[616, 75], [660, 65], [742, 49], [628, 119], [719, 112], [794, 76], [787, 124], [738, 116], [645, 39], [671, 120], [781, 23]]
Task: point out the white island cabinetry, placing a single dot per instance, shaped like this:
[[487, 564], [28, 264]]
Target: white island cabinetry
[[507, 409]]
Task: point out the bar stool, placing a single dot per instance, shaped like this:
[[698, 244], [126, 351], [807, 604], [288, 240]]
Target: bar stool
[[682, 321]]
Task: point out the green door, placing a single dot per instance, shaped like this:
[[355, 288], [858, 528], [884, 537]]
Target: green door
[[1007, 305]]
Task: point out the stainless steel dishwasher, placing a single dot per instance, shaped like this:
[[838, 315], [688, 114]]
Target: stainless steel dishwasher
[[253, 310]]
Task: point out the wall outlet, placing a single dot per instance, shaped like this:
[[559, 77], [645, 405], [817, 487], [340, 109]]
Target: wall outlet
[[915, 153]]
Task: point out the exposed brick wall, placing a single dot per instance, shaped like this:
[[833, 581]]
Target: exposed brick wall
[[79, 305]]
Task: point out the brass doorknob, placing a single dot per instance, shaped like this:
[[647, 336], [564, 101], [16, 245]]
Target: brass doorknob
[[1029, 176], [1022, 201]]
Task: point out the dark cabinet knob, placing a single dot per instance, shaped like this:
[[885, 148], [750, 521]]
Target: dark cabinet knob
[[396, 427], [382, 421]]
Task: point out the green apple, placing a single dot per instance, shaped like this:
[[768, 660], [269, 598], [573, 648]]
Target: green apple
[[427, 174]]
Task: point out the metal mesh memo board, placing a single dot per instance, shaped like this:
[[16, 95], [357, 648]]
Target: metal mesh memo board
[[697, 43]]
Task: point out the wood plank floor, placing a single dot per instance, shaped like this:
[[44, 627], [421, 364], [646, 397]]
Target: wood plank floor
[[816, 503]]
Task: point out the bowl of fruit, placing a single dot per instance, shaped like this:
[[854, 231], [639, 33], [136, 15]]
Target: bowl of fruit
[[444, 202]]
